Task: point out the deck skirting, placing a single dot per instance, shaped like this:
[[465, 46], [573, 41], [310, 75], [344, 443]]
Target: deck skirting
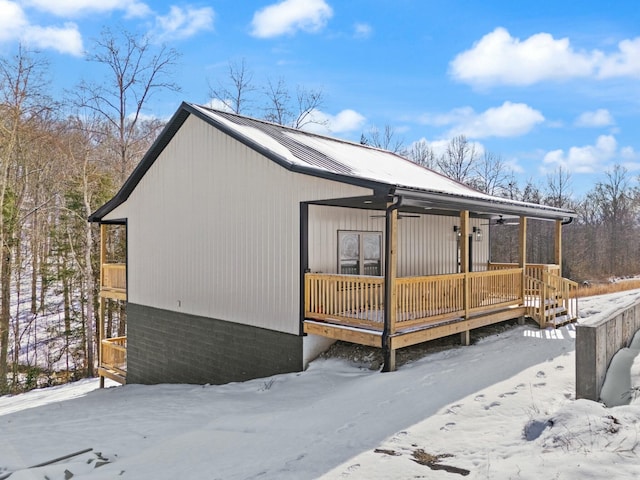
[[415, 334]]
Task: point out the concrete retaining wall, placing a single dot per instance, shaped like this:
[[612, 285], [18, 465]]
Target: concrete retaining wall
[[598, 340]]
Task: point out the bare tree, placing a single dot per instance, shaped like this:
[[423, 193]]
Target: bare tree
[[282, 109], [558, 191], [22, 104], [614, 199], [459, 160], [235, 93], [135, 72], [387, 139], [491, 175], [278, 109], [309, 101], [420, 152]]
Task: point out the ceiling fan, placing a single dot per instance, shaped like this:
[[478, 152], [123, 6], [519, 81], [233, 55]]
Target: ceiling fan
[[503, 221]]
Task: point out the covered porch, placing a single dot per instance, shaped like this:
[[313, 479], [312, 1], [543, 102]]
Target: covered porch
[[353, 308]]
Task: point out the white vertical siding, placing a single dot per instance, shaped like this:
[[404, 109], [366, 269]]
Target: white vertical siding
[[427, 244], [214, 231], [324, 223]]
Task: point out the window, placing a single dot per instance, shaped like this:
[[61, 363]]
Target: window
[[360, 253]]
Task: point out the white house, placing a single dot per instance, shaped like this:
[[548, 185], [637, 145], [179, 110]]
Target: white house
[[251, 245]]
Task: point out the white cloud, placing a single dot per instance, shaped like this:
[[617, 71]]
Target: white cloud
[[14, 25], [501, 59], [624, 63], [64, 40], [597, 118], [12, 20], [508, 120], [184, 22], [344, 121], [289, 16], [72, 8], [362, 30], [628, 154], [586, 159]]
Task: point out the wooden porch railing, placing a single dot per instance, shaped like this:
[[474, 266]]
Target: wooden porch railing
[[113, 355], [113, 282], [534, 270], [422, 299], [495, 289], [357, 301]]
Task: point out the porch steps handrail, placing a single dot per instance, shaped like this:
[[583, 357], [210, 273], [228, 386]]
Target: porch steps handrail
[[551, 300]]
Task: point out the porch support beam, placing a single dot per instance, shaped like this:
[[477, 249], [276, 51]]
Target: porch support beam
[[522, 261], [464, 268], [390, 274], [558, 246], [103, 260], [304, 260]]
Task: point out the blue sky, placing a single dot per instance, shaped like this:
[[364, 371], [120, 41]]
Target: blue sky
[[542, 84]]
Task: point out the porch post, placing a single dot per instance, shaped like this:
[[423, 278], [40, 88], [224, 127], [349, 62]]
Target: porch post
[[522, 262], [465, 338], [304, 261], [390, 272], [558, 246], [103, 259]]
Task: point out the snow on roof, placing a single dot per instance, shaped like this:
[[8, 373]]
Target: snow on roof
[[339, 160], [340, 156], [336, 156]]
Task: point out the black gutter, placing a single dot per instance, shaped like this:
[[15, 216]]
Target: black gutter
[[389, 362], [448, 201]]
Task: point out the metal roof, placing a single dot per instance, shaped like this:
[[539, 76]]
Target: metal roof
[[384, 172]]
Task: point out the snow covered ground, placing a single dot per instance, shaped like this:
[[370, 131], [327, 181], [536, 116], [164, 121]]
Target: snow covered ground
[[499, 409]]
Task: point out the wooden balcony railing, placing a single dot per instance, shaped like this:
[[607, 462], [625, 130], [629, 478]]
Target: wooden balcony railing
[[113, 355], [113, 282]]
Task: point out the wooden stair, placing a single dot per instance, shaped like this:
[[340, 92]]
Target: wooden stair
[[554, 314], [552, 301]]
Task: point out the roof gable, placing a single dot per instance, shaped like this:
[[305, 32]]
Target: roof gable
[[333, 159]]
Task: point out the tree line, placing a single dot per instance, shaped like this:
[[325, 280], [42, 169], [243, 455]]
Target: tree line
[[61, 158]]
